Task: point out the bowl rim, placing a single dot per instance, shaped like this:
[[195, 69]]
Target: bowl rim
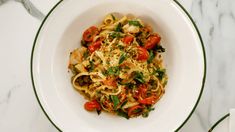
[[202, 48], [218, 122]]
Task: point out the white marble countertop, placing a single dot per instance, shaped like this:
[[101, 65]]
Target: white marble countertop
[[20, 20]]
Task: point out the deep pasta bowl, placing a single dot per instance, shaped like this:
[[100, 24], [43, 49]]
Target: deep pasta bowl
[[61, 32]]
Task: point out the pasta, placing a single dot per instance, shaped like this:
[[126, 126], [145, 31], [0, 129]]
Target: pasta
[[119, 67]]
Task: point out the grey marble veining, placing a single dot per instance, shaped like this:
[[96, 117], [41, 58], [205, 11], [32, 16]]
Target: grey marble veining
[[215, 19], [6, 98], [32, 10], [3, 1]]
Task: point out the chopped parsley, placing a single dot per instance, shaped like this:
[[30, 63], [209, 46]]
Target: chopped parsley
[[126, 67], [91, 66], [114, 18], [146, 113], [84, 43], [160, 73], [112, 71], [159, 49], [85, 54], [138, 76], [124, 103], [135, 23], [151, 56], [118, 28], [121, 47], [115, 101], [128, 85], [122, 58], [98, 112], [115, 35], [122, 113]]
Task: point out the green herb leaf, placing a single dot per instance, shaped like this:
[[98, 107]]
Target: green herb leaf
[[84, 43], [150, 108], [114, 18], [137, 110], [159, 49], [85, 54], [122, 114], [113, 71], [98, 112], [115, 101], [160, 73], [130, 85], [115, 35], [135, 23], [151, 56], [124, 103], [138, 76], [121, 47], [126, 67], [122, 58], [146, 113], [91, 66], [118, 28]]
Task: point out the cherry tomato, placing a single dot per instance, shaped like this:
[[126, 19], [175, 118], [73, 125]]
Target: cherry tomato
[[143, 90], [92, 105], [149, 101], [128, 39], [131, 110], [94, 46], [90, 33], [152, 41], [142, 54], [110, 82]]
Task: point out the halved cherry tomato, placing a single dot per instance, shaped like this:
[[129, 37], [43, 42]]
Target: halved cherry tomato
[[152, 41], [143, 90], [148, 101], [92, 105], [90, 33], [110, 82], [142, 54], [131, 110], [94, 46], [128, 39]]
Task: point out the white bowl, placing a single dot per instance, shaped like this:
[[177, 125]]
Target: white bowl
[[61, 32], [222, 125]]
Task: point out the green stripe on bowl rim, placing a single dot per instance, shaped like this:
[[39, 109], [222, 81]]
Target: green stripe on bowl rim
[[180, 6], [218, 122]]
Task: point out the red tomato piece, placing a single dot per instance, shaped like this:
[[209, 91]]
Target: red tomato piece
[[143, 54], [152, 41], [143, 90], [110, 82], [92, 105], [94, 46], [149, 101], [128, 39], [90, 33], [131, 110]]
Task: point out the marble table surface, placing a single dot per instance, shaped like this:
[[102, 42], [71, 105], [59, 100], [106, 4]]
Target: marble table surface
[[20, 20]]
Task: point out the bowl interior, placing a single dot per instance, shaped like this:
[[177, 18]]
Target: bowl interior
[[61, 33]]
